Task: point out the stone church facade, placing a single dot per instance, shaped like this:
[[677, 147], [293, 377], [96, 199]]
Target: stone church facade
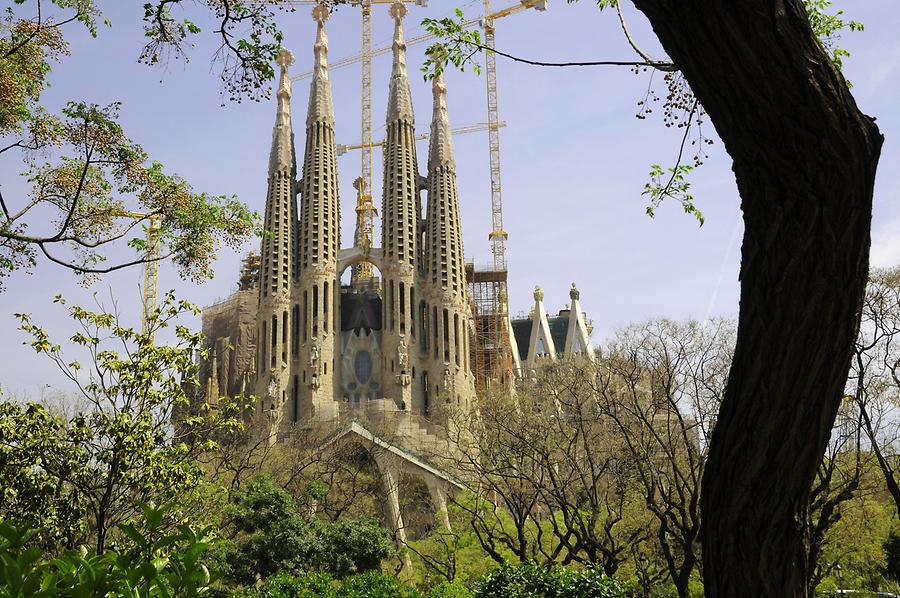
[[311, 348], [373, 360]]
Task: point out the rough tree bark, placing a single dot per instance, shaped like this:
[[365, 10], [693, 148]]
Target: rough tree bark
[[805, 160]]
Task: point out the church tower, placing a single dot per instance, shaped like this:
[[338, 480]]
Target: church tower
[[400, 220], [277, 266], [447, 296], [319, 239]]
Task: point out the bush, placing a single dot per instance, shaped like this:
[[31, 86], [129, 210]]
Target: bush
[[351, 546], [283, 585], [274, 538], [366, 585], [529, 580], [150, 563]]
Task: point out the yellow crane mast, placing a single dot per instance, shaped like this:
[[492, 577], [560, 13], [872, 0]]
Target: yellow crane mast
[[365, 208], [495, 360], [149, 290], [151, 273], [494, 328]]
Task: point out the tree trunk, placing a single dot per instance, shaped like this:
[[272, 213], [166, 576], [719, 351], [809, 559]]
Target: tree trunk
[[804, 159]]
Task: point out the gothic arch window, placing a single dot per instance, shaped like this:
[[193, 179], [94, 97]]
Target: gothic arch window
[[295, 330], [426, 398], [315, 318], [446, 322], [325, 307], [264, 341], [456, 338], [423, 328], [393, 317], [274, 338], [412, 311], [434, 320], [305, 315], [295, 398], [402, 307], [284, 335]]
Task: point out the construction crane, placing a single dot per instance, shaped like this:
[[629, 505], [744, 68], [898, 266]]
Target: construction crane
[[494, 359], [425, 37], [151, 264], [462, 130]]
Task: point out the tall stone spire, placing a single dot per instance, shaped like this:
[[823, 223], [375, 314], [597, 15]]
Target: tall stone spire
[[445, 263], [282, 155], [399, 98], [280, 214], [446, 268], [399, 230], [321, 107], [277, 255], [318, 286]]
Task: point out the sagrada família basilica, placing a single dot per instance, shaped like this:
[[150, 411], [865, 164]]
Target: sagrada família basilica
[[395, 350]]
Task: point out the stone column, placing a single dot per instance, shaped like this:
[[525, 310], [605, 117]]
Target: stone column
[[439, 498]]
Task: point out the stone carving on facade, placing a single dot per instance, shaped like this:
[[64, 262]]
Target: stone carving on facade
[[274, 410], [403, 378], [313, 367], [447, 382], [314, 359], [273, 392]]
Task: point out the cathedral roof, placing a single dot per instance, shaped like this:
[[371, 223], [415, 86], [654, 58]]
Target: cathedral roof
[[558, 332]]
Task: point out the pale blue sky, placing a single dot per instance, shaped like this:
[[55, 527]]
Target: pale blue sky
[[574, 161]]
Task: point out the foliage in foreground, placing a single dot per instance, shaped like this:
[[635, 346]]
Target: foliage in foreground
[[151, 562], [136, 440], [93, 192]]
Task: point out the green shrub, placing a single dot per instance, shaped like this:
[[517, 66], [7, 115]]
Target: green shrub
[[365, 585], [272, 537], [447, 589], [375, 585], [529, 580], [284, 585], [149, 563]]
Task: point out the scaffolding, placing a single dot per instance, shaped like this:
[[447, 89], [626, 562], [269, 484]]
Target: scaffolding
[[490, 348]]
